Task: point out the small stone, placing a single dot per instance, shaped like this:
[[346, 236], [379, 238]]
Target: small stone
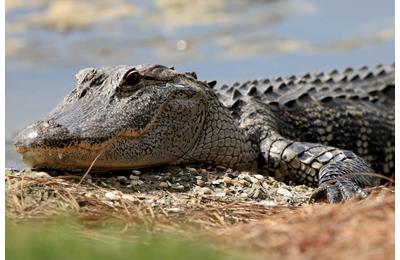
[[179, 187], [200, 182], [206, 190], [163, 184], [244, 183], [203, 171], [122, 179], [283, 192], [40, 175], [134, 177], [244, 195], [136, 183], [128, 197], [220, 194], [136, 172], [259, 177], [232, 173], [227, 180], [248, 178], [238, 185], [198, 177], [191, 170], [227, 191], [89, 195], [216, 182], [112, 196]]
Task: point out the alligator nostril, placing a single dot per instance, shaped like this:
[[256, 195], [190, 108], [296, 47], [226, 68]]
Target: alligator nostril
[[41, 133], [51, 123]]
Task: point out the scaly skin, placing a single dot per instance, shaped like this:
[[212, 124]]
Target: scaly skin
[[321, 129]]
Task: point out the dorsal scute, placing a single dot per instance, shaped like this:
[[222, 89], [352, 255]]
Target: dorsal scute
[[371, 84], [236, 94], [252, 91]]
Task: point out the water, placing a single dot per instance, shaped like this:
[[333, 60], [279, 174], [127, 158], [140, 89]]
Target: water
[[47, 42]]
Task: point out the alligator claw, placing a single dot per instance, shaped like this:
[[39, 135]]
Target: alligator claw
[[340, 190], [343, 180]]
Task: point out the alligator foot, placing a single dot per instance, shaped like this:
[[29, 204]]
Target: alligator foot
[[343, 180], [340, 190], [340, 174]]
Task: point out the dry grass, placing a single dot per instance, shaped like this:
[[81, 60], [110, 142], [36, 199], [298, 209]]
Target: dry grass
[[357, 230], [354, 230]]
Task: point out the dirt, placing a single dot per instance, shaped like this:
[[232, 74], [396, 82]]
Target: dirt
[[257, 213]]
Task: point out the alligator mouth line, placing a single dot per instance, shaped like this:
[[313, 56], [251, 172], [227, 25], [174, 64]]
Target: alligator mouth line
[[88, 147], [88, 150]]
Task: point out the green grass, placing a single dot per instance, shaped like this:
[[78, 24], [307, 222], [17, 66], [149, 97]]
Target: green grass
[[71, 240]]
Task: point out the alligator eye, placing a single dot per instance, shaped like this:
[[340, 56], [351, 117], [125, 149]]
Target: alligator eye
[[131, 78]]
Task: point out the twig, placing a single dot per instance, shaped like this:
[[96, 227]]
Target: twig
[[90, 167]]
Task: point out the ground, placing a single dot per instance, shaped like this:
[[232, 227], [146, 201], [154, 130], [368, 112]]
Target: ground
[[240, 212]]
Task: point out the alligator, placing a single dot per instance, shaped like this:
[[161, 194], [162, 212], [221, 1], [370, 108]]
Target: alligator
[[334, 130]]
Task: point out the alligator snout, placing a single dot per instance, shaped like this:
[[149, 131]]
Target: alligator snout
[[42, 134]]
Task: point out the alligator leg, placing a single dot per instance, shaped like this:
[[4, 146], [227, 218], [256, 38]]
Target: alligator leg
[[340, 174]]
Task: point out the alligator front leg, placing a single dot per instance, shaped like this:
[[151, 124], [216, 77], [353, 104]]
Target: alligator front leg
[[340, 174]]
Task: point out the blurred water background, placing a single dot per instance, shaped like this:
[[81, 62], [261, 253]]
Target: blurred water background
[[48, 41]]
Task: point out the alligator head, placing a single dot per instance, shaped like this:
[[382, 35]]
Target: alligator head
[[132, 116]]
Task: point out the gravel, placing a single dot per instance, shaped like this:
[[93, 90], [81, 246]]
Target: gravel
[[175, 185], [113, 195]]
